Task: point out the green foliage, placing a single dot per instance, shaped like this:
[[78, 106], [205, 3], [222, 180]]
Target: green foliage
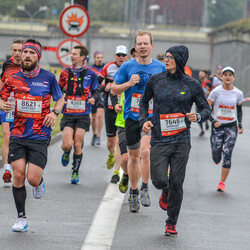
[[224, 11]]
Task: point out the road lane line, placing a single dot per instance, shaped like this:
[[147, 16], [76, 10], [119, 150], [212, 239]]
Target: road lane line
[[102, 229]]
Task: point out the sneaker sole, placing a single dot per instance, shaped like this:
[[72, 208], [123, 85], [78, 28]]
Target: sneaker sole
[[220, 190], [21, 230], [7, 177], [169, 234], [74, 182]]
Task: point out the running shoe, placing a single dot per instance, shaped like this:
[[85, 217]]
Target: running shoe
[[65, 158], [134, 204], [115, 177], [221, 187], [170, 230], [39, 191], [98, 141], [7, 176], [145, 199], [75, 178], [123, 186], [163, 201], [110, 161], [93, 140], [20, 225]]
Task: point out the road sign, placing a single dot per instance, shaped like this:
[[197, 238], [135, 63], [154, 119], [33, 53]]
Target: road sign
[[64, 50], [74, 21]]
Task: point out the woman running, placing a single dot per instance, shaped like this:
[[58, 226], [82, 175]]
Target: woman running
[[226, 100]]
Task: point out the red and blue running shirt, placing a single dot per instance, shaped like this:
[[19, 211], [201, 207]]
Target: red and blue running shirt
[[9, 68], [78, 104], [33, 97]]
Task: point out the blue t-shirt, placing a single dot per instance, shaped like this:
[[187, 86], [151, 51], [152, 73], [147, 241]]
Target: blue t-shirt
[[124, 74]]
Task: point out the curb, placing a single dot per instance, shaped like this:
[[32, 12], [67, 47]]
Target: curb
[[54, 139]]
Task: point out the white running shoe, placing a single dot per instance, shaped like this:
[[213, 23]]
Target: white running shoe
[[39, 191], [21, 225]]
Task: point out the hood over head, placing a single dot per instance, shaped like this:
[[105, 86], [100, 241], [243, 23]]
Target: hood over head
[[180, 54]]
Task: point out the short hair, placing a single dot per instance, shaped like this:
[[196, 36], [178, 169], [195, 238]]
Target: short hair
[[83, 50], [142, 33], [32, 40], [18, 41], [205, 71]]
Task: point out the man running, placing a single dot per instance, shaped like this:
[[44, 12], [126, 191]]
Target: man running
[[107, 73], [9, 67], [173, 92], [31, 129], [132, 78], [226, 120], [97, 109], [79, 84]]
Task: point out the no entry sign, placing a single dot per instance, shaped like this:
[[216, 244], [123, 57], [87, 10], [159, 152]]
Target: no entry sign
[[74, 21], [64, 50]]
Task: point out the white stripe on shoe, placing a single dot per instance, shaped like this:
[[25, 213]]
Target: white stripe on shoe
[[102, 230]]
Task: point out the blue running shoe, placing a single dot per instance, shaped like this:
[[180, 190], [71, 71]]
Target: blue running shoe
[[65, 159], [21, 225], [39, 191], [75, 178]]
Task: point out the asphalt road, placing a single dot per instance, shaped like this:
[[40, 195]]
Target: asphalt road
[[64, 216]]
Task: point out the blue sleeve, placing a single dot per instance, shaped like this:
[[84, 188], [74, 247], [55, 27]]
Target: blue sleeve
[[95, 83], [121, 75], [55, 89]]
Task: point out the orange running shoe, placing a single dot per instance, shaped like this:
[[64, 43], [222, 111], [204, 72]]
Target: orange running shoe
[[221, 187], [7, 176], [170, 230]]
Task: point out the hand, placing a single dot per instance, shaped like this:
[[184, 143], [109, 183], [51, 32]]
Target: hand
[[240, 130], [6, 106], [192, 117], [217, 124], [91, 100], [134, 79], [147, 127], [50, 119], [108, 86], [118, 108]]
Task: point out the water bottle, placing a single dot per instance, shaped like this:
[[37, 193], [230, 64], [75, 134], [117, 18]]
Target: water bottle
[[10, 115]]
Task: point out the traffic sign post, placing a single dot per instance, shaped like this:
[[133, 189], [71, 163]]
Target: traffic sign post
[[64, 51], [74, 21]]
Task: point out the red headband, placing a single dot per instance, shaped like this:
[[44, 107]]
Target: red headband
[[33, 46]]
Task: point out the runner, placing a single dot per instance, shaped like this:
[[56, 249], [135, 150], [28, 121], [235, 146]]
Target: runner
[[97, 109], [79, 84], [226, 100], [31, 129], [132, 78], [9, 67], [174, 93], [133, 53], [217, 78], [207, 87], [160, 57], [107, 73]]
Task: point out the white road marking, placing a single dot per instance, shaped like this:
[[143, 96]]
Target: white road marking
[[102, 230]]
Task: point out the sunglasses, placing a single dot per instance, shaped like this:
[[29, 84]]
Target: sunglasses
[[119, 55]]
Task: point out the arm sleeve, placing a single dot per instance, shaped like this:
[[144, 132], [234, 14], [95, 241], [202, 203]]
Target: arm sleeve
[[55, 89], [114, 99], [239, 115], [144, 102]]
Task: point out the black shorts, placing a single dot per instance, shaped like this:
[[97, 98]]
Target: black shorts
[[98, 104], [110, 117], [122, 140], [132, 133], [34, 151], [75, 121]]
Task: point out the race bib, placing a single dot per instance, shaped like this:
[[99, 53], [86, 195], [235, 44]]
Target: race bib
[[76, 104], [110, 103], [29, 106], [172, 124], [226, 113], [135, 103]]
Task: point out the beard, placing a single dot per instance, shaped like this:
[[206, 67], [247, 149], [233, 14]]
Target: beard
[[28, 67]]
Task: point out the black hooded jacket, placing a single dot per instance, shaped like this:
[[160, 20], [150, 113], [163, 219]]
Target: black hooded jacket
[[173, 94]]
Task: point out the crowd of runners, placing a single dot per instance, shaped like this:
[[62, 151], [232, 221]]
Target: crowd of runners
[[145, 104]]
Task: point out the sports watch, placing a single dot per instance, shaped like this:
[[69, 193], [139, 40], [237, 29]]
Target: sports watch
[[56, 111]]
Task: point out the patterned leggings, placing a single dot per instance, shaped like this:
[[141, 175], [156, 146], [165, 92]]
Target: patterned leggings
[[223, 136]]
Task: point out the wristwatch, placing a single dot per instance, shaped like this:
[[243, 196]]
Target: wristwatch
[[56, 111]]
